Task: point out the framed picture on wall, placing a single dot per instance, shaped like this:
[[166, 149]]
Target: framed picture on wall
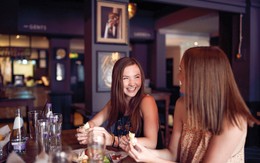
[[105, 64], [111, 22]]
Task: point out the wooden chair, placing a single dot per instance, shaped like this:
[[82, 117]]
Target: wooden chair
[[163, 101], [80, 114]]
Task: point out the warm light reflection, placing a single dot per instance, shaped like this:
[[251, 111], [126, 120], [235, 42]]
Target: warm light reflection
[[131, 9], [115, 56]]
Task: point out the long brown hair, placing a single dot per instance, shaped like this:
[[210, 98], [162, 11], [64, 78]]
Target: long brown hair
[[118, 98], [212, 95]]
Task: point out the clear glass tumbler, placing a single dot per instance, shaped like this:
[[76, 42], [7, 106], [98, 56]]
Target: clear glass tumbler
[[96, 146]]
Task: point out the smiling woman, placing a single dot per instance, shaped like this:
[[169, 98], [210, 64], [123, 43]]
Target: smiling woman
[[129, 109]]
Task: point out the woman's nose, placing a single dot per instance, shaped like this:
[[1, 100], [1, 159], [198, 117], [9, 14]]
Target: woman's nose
[[131, 82]]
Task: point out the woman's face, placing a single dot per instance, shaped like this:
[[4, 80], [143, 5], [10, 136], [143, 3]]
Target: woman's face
[[181, 77], [131, 80]]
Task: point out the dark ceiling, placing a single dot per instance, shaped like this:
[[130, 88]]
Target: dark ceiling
[[144, 7], [155, 9]]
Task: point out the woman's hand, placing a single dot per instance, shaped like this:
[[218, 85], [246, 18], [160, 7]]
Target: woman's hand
[[82, 133], [82, 129], [108, 136], [123, 142], [82, 136], [140, 153]]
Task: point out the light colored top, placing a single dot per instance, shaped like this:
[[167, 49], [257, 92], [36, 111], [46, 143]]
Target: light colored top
[[194, 144]]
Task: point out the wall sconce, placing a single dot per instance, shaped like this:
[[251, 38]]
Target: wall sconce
[[131, 9]]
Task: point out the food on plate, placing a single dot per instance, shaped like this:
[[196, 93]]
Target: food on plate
[[133, 140], [106, 160], [116, 156], [82, 157], [2, 137], [86, 126]]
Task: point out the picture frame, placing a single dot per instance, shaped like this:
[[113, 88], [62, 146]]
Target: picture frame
[[111, 22], [105, 64]]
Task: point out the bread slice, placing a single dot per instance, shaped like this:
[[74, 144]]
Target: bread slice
[[133, 140], [86, 126]]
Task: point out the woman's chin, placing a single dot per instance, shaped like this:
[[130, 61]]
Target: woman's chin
[[131, 94]]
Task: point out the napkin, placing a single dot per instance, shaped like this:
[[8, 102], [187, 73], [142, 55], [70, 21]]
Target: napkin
[[5, 131], [14, 158], [42, 158]]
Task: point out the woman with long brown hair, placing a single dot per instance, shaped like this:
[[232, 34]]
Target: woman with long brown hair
[[210, 119], [129, 108]]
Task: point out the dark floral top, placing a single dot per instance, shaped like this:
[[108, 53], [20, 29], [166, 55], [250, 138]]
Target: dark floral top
[[122, 126]]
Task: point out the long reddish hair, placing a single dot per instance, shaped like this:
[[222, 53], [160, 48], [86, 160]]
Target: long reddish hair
[[211, 94], [118, 98]]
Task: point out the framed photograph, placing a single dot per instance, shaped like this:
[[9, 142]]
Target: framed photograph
[[105, 64], [111, 22]]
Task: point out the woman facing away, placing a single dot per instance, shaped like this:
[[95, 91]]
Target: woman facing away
[[129, 108], [210, 119]]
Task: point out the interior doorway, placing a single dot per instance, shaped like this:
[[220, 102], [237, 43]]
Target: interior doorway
[[77, 79]]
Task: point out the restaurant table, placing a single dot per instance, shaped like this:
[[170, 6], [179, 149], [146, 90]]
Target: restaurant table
[[68, 139]]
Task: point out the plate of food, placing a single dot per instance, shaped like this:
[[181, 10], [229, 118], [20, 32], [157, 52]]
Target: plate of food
[[81, 156]]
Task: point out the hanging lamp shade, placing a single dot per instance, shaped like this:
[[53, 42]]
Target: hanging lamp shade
[[131, 9]]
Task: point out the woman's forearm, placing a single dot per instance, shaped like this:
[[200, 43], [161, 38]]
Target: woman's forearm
[[164, 154], [147, 142]]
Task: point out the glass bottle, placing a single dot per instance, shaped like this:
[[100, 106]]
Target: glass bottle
[[47, 112], [18, 137]]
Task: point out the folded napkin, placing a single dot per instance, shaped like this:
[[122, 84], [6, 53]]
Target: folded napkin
[[5, 132], [14, 158]]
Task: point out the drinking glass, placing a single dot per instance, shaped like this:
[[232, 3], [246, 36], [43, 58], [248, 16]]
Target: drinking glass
[[3, 153], [63, 155], [43, 126], [96, 146], [55, 131], [33, 116]]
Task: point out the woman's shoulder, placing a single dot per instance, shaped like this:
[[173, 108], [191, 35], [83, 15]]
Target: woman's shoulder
[[147, 97], [148, 101], [179, 108], [180, 101]]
